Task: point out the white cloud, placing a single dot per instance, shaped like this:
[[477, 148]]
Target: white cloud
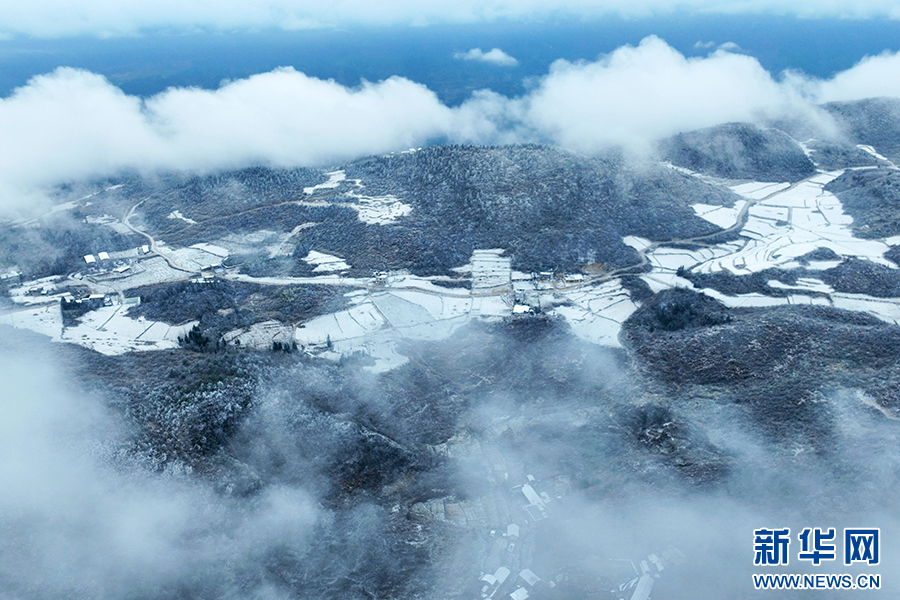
[[495, 56], [871, 77], [72, 124], [102, 17], [285, 117], [72, 520], [727, 46], [637, 94]]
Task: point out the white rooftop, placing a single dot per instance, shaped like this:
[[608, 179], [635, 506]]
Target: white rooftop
[[519, 594], [529, 576], [532, 496], [501, 574]]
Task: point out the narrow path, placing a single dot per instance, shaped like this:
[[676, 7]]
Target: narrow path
[[153, 248]]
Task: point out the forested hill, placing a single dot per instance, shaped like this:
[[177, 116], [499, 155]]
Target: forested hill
[[874, 122], [739, 151], [550, 208]]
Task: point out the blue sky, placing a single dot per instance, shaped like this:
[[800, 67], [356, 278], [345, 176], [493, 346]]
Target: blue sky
[[52, 18], [149, 63]]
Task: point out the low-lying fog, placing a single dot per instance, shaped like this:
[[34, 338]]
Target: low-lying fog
[[318, 489]]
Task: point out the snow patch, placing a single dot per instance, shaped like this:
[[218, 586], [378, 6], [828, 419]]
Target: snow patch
[[107, 330], [638, 243], [722, 216], [379, 210], [211, 249], [596, 313], [334, 180], [373, 210], [176, 214], [779, 229], [871, 150], [325, 262], [803, 283], [757, 190]]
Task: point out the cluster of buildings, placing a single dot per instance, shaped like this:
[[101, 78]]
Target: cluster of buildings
[[526, 584], [638, 588], [10, 277], [595, 577], [557, 279], [114, 263]]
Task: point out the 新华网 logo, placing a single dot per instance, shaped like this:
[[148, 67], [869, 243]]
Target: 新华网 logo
[[862, 545]]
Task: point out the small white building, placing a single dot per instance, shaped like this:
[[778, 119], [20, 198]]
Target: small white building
[[529, 577], [536, 507], [512, 531], [532, 496], [492, 582], [89, 259], [103, 255], [519, 594]]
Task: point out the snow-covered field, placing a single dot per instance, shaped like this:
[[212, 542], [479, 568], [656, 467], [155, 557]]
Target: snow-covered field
[[37, 291], [381, 319], [723, 216], [150, 271], [490, 269], [111, 222], [107, 330], [598, 312], [405, 306], [261, 335], [785, 223], [325, 262], [194, 259]]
